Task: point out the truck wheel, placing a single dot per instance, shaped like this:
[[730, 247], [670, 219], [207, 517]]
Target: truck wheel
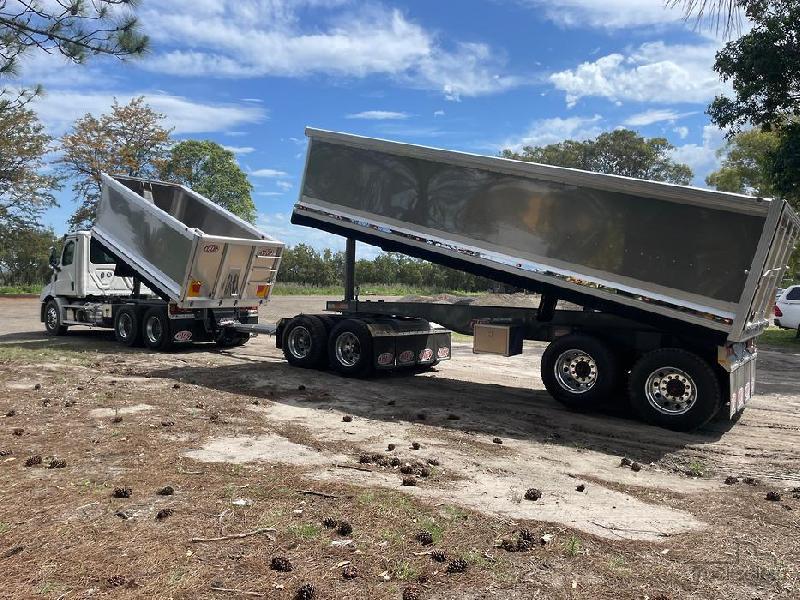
[[350, 348], [156, 329], [230, 339], [580, 371], [127, 330], [52, 319], [674, 388], [305, 341]]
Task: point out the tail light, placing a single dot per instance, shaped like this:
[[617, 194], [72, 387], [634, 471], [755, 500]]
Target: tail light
[[777, 311]]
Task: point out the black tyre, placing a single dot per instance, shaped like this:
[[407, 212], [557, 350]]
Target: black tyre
[[52, 319], [127, 329], [156, 329], [305, 342], [675, 389], [231, 339], [580, 371], [350, 348]]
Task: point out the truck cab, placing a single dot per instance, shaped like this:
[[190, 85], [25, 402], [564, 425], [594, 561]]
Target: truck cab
[[84, 269]]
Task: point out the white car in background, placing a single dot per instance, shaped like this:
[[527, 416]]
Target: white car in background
[[787, 308]]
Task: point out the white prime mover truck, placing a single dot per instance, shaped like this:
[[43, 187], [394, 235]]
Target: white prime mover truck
[[162, 265], [674, 283]]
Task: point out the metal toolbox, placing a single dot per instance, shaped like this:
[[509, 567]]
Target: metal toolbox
[[505, 340]]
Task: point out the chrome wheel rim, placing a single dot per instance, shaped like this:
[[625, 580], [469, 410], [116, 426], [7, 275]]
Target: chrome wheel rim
[[153, 330], [125, 326], [575, 371], [299, 342], [348, 349], [52, 318], [671, 391]]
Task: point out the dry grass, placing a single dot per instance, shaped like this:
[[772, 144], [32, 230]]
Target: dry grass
[[65, 520]]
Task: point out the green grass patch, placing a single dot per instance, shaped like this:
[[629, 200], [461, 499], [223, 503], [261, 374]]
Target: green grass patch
[[305, 531], [405, 571], [16, 290], [573, 546], [434, 528], [4, 528], [35, 351], [782, 338]]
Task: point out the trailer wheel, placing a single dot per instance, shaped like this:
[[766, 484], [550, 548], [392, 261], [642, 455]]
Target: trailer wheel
[[305, 342], [580, 371], [127, 329], [350, 348], [674, 388], [231, 339], [156, 329], [52, 319]]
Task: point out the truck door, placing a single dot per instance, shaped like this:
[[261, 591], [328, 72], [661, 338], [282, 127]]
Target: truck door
[[65, 277]]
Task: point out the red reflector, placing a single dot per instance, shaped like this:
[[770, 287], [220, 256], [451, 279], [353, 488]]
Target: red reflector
[[777, 311]]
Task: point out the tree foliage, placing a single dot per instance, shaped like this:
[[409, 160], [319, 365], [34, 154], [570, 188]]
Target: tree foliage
[[24, 256], [74, 29], [723, 16], [620, 152], [25, 191], [130, 140], [304, 265], [212, 171], [763, 66], [747, 161]]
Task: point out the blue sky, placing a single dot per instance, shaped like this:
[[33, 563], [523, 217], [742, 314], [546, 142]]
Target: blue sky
[[473, 75]]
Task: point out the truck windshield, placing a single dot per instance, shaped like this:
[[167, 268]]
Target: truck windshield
[[98, 256]]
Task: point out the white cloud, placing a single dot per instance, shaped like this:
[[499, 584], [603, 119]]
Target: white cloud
[[438, 113], [702, 157], [59, 109], [378, 115], [551, 131], [284, 185], [682, 131], [653, 72], [270, 173], [259, 38], [269, 193], [240, 149], [607, 14], [649, 117]]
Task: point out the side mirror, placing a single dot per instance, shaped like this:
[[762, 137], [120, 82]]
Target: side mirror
[[54, 259]]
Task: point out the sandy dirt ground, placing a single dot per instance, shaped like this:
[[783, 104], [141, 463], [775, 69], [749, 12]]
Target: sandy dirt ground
[[250, 444]]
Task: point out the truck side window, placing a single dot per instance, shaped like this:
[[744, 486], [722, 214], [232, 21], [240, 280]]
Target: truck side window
[[69, 254], [98, 256], [793, 294]]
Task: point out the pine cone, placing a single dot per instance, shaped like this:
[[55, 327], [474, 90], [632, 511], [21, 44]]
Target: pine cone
[[457, 566], [122, 492], [424, 537], [412, 593], [329, 523], [280, 563], [305, 592], [57, 463], [527, 535], [164, 513], [409, 481], [117, 580], [344, 528], [524, 545], [167, 490], [533, 494], [33, 461], [509, 544], [349, 572], [439, 556]]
